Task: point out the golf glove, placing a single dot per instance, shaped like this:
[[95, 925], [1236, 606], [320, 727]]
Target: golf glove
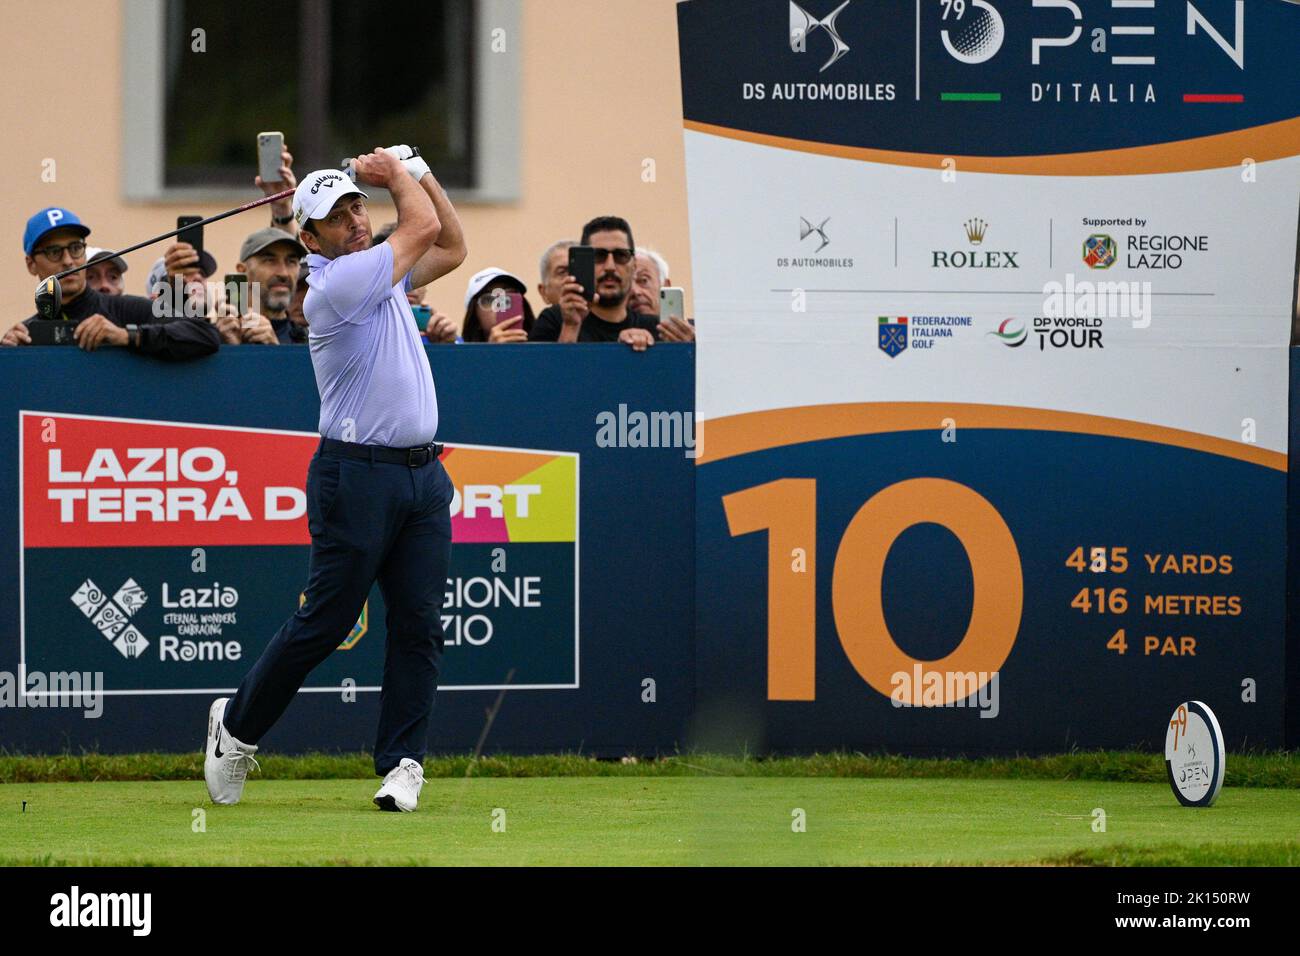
[[414, 165]]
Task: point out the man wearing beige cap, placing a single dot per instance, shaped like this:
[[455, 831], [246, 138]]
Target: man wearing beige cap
[[270, 258]]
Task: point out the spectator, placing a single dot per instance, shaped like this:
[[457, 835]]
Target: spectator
[[180, 259], [183, 269], [483, 306], [54, 240], [272, 260], [439, 329], [651, 276], [647, 280], [607, 317], [555, 266], [105, 275]]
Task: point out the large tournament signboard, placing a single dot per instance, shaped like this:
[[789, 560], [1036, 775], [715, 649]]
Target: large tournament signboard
[[993, 302], [158, 553]]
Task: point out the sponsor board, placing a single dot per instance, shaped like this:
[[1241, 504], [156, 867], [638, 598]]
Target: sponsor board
[[166, 554], [1093, 185]]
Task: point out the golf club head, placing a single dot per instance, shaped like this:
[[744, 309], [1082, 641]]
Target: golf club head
[[49, 298]]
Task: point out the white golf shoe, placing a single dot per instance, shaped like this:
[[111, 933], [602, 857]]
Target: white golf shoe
[[227, 761], [401, 787]]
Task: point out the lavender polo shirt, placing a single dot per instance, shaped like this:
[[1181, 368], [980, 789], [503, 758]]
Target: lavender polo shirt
[[371, 369]]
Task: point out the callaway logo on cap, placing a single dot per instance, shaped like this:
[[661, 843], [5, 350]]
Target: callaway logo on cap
[[317, 194]]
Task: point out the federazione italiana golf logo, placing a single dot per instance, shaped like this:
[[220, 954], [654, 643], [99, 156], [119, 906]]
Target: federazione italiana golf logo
[[168, 554]]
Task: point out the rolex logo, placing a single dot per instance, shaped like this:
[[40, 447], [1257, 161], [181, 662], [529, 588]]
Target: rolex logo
[[977, 231], [803, 23]]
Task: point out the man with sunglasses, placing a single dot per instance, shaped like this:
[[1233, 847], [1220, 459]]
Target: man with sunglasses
[[55, 240], [606, 317]]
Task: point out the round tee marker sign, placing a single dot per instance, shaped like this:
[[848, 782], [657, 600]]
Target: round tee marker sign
[[1194, 754]]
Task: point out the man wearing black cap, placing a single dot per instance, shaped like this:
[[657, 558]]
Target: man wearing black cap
[[271, 259], [55, 240], [106, 271]]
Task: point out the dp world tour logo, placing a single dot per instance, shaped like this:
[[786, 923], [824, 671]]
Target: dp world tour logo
[[1099, 251], [893, 335], [113, 617], [1011, 333], [803, 23]]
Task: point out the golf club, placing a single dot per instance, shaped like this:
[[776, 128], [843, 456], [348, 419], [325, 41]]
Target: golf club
[[49, 294]]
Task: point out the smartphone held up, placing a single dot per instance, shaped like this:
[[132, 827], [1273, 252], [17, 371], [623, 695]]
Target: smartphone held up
[[269, 147], [582, 267]]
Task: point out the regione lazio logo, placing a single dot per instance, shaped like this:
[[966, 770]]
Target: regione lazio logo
[[1099, 251], [893, 335], [803, 23]]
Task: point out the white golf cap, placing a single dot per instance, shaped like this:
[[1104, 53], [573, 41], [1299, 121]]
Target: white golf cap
[[480, 280], [157, 277], [317, 194]]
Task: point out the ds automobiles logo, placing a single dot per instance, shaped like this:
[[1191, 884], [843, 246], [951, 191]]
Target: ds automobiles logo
[[803, 23]]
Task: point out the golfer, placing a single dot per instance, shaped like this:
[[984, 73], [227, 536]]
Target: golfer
[[377, 496]]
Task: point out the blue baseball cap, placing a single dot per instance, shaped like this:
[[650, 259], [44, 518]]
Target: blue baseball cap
[[47, 220]]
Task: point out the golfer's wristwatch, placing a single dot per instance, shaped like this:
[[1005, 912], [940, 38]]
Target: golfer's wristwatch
[[133, 336]]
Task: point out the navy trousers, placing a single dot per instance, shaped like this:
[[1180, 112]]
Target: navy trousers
[[369, 521]]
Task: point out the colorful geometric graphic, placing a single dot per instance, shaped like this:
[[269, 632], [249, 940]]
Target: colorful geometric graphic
[[512, 496]]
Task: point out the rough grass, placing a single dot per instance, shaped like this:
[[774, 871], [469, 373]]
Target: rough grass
[[1279, 853]]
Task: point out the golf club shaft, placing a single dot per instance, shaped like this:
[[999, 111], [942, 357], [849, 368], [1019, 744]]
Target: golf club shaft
[[285, 194]]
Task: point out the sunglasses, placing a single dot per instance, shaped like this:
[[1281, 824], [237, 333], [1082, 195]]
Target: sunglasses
[[621, 256]]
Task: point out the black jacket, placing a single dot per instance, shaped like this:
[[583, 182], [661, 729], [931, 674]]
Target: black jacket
[[550, 323], [160, 335]]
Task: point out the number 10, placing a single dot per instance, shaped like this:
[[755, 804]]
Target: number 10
[[787, 510]]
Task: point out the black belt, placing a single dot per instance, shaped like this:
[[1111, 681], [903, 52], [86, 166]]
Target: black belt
[[416, 457]]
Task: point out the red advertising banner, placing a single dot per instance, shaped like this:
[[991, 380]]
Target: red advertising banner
[[107, 482]]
